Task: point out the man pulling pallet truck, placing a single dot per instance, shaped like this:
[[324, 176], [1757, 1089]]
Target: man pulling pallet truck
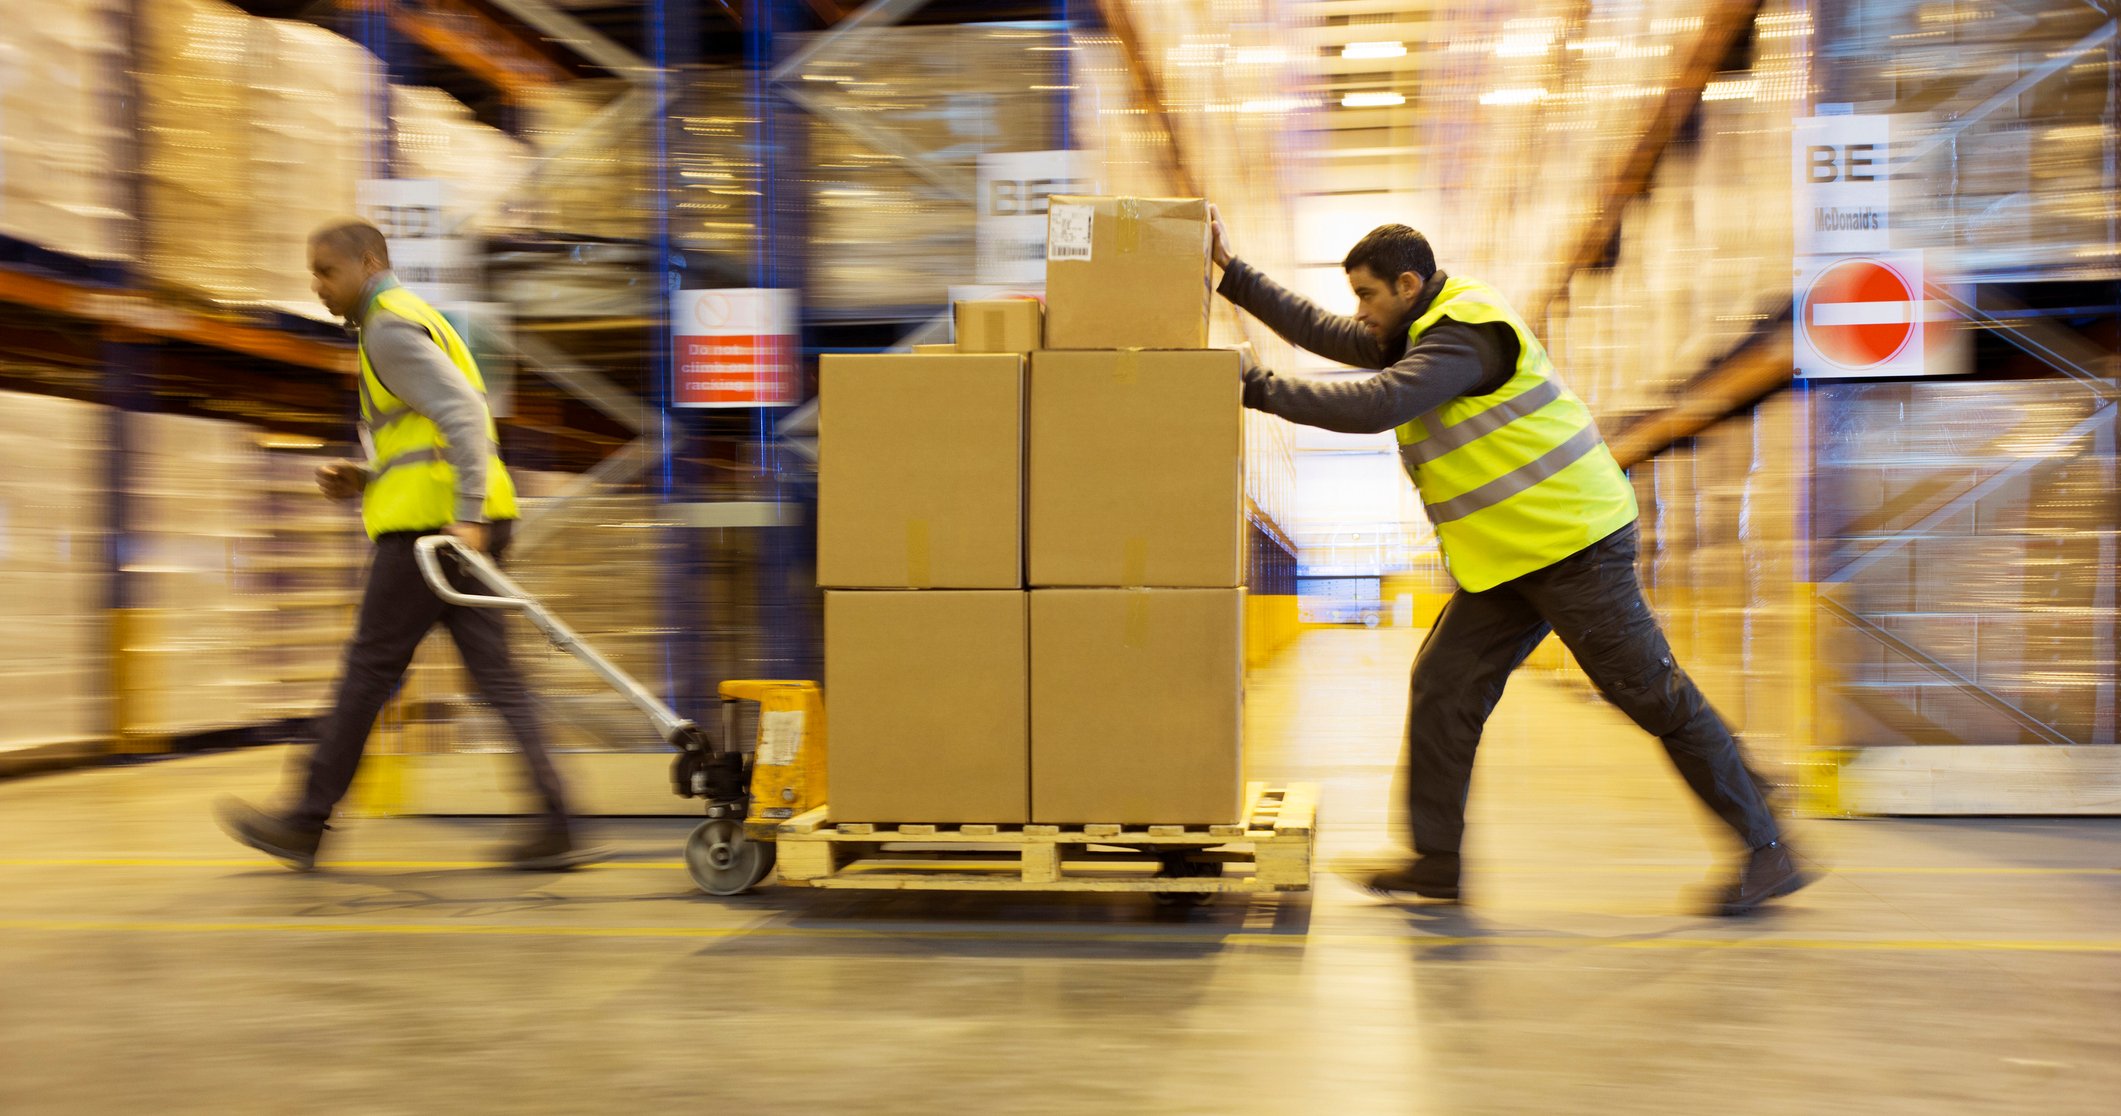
[[433, 468], [1537, 525]]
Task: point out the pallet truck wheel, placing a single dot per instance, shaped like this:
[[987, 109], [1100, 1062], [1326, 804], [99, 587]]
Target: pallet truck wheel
[[725, 862], [1181, 867]]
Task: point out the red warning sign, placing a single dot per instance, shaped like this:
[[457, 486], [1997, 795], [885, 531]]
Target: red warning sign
[[735, 348], [1861, 316]]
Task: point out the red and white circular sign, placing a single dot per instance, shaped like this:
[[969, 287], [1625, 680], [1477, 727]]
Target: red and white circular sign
[[1861, 313]]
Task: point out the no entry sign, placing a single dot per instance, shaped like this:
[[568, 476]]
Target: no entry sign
[[1860, 316]]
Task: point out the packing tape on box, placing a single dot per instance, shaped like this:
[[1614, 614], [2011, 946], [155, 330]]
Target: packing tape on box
[[918, 573], [1134, 565], [1127, 231], [991, 318], [1136, 636], [1127, 369]]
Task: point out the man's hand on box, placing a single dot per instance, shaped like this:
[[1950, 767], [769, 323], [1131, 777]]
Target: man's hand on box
[[1219, 246]]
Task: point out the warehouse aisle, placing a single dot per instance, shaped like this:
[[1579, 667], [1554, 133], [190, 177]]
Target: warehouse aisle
[[1942, 967]]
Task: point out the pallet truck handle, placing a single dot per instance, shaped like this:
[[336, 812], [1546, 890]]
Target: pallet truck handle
[[427, 550]]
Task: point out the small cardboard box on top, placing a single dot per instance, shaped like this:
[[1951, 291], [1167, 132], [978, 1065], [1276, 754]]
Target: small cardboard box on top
[[1126, 273], [1000, 325]]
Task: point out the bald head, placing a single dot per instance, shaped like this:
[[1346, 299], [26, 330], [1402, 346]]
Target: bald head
[[343, 256], [355, 239]]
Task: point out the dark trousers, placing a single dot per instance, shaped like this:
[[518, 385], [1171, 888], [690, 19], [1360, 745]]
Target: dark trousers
[[397, 612], [1594, 601]]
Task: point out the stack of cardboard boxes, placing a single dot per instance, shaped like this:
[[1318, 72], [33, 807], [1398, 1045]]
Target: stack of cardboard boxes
[[61, 135], [190, 651], [54, 585], [1034, 609]]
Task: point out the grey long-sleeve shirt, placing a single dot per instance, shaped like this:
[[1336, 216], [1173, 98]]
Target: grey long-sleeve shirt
[[1451, 359], [418, 371]]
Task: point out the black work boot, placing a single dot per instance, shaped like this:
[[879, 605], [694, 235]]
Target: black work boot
[[1430, 875], [291, 845], [550, 847], [1770, 871]]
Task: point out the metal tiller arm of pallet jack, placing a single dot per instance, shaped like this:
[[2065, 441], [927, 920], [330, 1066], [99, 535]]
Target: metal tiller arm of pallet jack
[[427, 552]]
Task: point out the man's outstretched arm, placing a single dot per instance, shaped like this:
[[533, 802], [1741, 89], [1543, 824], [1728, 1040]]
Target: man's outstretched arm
[[1451, 359]]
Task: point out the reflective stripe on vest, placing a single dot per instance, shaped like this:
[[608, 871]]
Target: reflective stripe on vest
[[1516, 479], [1464, 432], [410, 457]]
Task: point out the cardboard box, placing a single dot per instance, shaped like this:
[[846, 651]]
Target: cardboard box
[[934, 350], [1137, 470], [1126, 273], [1001, 325], [1137, 700], [928, 693], [921, 474]]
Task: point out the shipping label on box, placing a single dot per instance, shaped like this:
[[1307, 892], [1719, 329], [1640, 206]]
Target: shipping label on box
[[920, 471], [1137, 469], [1068, 229]]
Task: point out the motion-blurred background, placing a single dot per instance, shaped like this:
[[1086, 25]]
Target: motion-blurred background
[[1880, 526]]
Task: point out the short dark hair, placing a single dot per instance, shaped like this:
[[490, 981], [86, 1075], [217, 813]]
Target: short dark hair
[[1390, 251], [355, 237]]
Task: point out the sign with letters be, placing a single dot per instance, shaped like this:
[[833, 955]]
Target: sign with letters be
[[1013, 188], [1843, 184]]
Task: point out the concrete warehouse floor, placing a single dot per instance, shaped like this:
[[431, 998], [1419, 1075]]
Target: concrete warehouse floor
[[147, 964]]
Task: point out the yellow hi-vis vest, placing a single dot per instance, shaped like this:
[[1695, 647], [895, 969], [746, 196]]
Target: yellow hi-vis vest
[[1519, 478], [410, 486]]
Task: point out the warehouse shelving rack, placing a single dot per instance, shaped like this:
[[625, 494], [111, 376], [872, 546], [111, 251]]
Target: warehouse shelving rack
[[94, 329]]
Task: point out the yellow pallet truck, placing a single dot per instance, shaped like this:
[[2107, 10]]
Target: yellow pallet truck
[[748, 794]]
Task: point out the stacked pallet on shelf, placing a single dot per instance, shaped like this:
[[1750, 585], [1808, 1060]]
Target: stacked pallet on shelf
[[315, 128], [54, 580], [255, 131], [2010, 590], [1704, 254], [195, 148], [60, 136], [189, 660], [2011, 186], [308, 567], [895, 149], [596, 182], [437, 137]]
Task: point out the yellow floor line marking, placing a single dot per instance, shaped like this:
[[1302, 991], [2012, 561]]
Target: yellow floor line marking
[[900, 933], [674, 865], [1973, 871]]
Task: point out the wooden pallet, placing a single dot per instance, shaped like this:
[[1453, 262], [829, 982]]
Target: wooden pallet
[[1269, 851]]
